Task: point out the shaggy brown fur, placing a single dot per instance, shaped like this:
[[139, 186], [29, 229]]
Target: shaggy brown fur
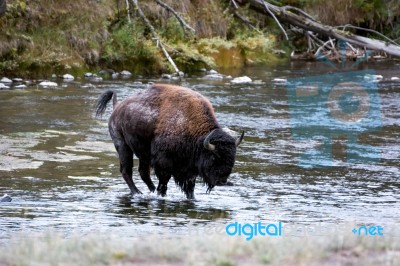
[[166, 127]]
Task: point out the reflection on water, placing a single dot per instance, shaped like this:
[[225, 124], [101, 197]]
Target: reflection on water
[[59, 165]]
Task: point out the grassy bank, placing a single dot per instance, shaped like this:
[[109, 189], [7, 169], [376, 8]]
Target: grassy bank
[[39, 38], [52, 249]]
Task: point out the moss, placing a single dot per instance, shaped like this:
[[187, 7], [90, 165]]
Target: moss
[[52, 36]]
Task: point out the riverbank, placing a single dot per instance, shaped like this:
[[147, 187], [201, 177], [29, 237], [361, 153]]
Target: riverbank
[[218, 249], [41, 38]]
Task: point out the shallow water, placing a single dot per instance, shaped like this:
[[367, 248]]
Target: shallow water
[[58, 164]]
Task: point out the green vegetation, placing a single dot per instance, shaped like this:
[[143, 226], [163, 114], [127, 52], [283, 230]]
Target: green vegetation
[[38, 38]]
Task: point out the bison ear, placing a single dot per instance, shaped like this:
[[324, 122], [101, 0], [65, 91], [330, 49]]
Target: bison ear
[[207, 144]]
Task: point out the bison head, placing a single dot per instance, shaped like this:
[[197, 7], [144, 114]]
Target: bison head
[[218, 156]]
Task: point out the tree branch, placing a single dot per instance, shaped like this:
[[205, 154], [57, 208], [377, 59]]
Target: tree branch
[[179, 18], [155, 35], [368, 30], [277, 21], [128, 10]]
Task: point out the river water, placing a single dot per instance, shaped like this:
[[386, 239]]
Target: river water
[[58, 163]]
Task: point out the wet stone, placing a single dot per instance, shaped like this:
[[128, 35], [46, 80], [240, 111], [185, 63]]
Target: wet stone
[[48, 84], [5, 198], [4, 87], [5, 80], [126, 73], [68, 77]]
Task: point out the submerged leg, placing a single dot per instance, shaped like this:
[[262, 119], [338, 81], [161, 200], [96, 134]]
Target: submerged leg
[[126, 164], [144, 171], [188, 187], [163, 179]]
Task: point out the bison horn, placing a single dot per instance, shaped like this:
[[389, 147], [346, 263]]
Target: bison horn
[[239, 140], [207, 143]]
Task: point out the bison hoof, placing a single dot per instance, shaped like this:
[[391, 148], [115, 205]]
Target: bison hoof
[[162, 193], [135, 191], [190, 195], [152, 188], [162, 190]]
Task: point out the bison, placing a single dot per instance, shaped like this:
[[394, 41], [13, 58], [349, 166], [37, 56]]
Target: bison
[[172, 130]]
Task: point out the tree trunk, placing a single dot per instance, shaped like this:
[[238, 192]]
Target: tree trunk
[[3, 7]]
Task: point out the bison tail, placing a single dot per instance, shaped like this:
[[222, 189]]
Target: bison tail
[[103, 100]]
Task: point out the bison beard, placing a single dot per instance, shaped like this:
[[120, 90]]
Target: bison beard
[[174, 131]]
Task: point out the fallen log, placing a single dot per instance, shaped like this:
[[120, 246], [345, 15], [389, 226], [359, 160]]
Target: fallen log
[[301, 19]]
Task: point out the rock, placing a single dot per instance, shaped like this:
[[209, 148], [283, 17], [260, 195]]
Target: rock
[[48, 84], [137, 83], [394, 78], [166, 76], [5, 198], [88, 75], [96, 78], [17, 80], [213, 77], [279, 81], [5, 80], [241, 80], [21, 86], [203, 70], [115, 75], [54, 76], [125, 73], [212, 72], [68, 77], [3, 87]]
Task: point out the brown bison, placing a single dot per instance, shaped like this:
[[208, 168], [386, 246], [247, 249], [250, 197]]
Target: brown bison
[[173, 130]]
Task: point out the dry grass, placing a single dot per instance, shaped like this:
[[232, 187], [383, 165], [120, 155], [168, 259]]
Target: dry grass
[[217, 249]]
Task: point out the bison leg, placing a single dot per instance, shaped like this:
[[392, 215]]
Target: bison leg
[[144, 170], [126, 164], [188, 187], [163, 179]]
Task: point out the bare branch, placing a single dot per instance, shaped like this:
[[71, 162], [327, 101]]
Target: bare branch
[[234, 4], [155, 35], [299, 11], [245, 20], [277, 21], [368, 30], [128, 10], [179, 18]]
